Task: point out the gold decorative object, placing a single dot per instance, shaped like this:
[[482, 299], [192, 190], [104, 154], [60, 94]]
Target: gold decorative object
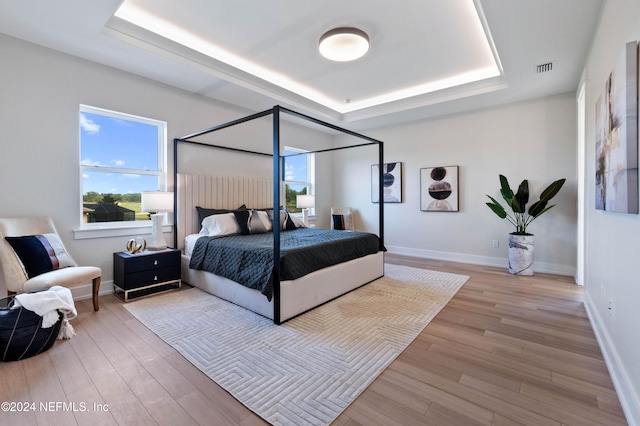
[[136, 245]]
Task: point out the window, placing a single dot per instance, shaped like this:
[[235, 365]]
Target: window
[[121, 155], [299, 176]]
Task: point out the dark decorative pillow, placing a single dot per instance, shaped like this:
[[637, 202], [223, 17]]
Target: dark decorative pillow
[[289, 224], [341, 221], [40, 253], [204, 212], [242, 217]]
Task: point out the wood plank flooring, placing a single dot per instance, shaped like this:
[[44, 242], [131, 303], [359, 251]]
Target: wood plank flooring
[[505, 351]]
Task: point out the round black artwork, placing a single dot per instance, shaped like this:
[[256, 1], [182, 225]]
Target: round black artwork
[[440, 190], [438, 173]]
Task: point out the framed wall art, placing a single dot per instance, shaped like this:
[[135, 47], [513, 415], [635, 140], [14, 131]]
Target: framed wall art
[[439, 189], [391, 183], [617, 136]]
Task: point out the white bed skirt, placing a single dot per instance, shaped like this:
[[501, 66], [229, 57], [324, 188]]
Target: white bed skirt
[[296, 296]]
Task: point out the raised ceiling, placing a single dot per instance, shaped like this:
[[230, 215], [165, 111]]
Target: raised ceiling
[[427, 58]]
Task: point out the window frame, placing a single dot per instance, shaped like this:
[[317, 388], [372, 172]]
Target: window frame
[[118, 228], [311, 174]]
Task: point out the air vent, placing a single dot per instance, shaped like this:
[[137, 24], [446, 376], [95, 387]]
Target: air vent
[[542, 68]]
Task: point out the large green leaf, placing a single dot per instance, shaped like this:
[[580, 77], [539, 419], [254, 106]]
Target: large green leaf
[[552, 190], [522, 197], [505, 190], [552, 205], [538, 208], [497, 208]]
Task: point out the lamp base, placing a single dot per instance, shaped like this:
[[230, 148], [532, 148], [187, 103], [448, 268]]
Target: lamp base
[[305, 217], [157, 239]]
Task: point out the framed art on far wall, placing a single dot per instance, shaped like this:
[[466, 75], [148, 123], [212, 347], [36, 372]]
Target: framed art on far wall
[[439, 189], [391, 183]]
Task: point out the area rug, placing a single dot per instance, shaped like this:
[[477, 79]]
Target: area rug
[[309, 369]]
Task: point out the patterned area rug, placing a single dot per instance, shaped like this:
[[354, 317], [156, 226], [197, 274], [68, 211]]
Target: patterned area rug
[[309, 369]]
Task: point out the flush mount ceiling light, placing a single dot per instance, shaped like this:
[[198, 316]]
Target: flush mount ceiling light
[[344, 44]]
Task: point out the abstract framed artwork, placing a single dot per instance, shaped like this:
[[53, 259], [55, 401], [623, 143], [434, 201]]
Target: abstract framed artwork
[[617, 136], [391, 183], [439, 189]]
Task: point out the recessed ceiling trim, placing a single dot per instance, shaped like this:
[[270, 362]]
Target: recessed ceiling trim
[[150, 41], [489, 38], [259, 76], [441, 96]]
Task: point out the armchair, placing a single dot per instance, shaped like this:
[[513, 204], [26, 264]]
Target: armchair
[[342, 218], [33, 258]]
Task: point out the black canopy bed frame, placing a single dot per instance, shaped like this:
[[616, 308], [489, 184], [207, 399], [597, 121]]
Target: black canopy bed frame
[[180, 182]]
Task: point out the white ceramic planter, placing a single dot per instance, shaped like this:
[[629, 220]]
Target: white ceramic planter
[[521, 254]]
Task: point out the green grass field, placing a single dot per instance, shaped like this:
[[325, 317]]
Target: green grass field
[[136, 208]]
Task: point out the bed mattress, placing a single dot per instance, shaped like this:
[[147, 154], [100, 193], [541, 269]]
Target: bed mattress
[[248, 259]]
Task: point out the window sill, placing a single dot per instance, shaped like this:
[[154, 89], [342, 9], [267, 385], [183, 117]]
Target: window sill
[[106, 231], [299, 215]]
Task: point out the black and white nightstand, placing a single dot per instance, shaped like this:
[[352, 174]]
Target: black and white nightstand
[[143, 274]]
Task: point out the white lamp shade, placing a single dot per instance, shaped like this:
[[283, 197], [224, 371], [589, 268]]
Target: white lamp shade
[[157, 201], [305, 201]]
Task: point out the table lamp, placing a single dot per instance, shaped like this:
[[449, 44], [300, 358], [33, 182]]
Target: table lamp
[[157, 203], [305, 202]]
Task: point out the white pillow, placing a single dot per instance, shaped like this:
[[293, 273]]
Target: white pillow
[[220, 224], [297, 221]]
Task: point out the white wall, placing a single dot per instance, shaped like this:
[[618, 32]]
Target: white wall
[[532, 140], [612, 252], [40, 95]]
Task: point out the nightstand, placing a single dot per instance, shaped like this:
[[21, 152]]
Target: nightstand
[[143, 274]]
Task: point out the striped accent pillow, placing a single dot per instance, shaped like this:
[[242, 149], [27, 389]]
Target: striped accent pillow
[[259, 222], [286, 222], [40, 253]]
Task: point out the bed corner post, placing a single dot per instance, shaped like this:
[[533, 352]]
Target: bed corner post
[[175, 193], [381, 194], [276, 214]]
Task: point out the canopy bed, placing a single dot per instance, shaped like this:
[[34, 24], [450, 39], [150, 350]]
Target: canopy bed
[[216, 213]]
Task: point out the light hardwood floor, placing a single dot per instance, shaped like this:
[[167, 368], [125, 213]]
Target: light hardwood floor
[[506, 350]]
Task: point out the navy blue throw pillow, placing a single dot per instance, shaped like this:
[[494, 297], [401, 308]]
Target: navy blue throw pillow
[[242, 217], [35, 253]]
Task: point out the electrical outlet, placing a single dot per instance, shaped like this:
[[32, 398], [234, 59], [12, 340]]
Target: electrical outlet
[[495, 243], [610, 308]]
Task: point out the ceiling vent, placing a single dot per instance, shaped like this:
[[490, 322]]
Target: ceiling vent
[[542, 68]]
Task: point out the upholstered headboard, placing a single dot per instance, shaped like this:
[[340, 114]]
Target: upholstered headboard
[[220, 192]]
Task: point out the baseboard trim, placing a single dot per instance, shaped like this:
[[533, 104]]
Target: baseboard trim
[[498, 262], [86, 291], [629, 398]]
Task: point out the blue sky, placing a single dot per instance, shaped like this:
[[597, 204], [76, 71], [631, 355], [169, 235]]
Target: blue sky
[[120, 144], [295, 168]]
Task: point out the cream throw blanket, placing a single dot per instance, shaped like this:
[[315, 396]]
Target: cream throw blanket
[[47, 304]]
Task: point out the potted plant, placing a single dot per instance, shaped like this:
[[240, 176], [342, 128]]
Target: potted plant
[[521, 241]]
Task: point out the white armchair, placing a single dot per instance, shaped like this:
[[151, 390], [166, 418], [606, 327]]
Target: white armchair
[[342, 218], [14, 268]]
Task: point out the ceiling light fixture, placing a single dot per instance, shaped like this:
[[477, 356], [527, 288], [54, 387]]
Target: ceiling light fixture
[[344, 44]]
